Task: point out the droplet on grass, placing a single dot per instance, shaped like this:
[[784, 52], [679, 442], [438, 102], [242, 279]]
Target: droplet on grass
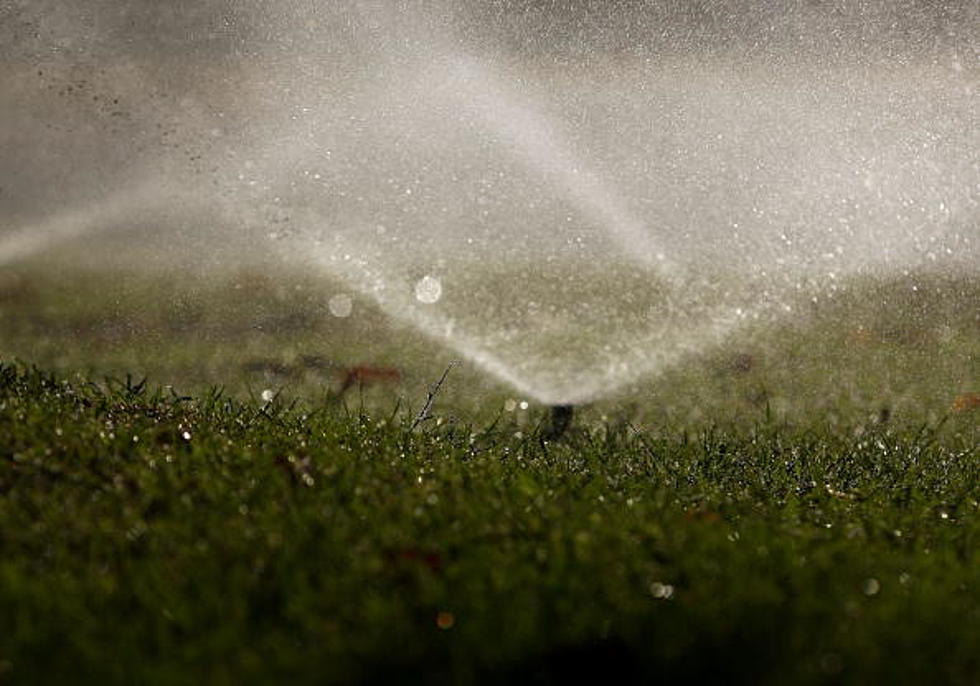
[[871, 587]]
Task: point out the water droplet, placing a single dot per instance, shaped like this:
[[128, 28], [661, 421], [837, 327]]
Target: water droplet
[[661, 591], [509, 405], [341, 305], [268, 395], [870, 587], [428, 290], [186, 435]]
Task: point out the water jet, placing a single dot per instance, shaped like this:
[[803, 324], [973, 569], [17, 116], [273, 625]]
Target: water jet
[[566, 220]]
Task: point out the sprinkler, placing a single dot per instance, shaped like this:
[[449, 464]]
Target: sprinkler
[[561, 418]]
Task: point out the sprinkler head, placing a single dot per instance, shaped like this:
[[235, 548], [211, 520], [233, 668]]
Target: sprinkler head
[[561, 418]]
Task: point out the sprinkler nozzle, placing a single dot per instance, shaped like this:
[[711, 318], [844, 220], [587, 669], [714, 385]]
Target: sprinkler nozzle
[[561, 418]]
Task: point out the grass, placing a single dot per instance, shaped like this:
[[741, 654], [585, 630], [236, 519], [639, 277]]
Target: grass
[[717, 524], [152, 538]]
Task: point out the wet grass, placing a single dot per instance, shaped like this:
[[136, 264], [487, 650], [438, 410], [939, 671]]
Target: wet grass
[[153, 538], [800, 506]]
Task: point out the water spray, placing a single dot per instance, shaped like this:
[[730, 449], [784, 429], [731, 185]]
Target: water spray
[[693, 196]]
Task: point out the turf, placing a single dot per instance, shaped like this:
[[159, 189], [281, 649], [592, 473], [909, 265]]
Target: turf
[[797, 506], [153, 538]]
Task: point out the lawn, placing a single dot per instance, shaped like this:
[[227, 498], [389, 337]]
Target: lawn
[[798, 507]]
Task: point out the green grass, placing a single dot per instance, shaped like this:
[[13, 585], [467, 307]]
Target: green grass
[[799, 506], [151, 538]]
